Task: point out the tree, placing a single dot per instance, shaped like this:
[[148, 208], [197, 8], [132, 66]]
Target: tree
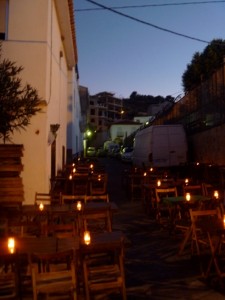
[[17, 103], [203, 64]]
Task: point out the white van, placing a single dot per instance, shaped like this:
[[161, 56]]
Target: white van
[[160, 146]]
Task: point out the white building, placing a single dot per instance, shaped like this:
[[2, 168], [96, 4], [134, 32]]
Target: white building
[[39, 35], [122, 129]]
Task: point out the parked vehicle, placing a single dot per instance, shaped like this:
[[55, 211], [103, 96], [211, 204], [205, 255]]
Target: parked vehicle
[[91, 151], [101, 152], [126, 154], [160, 146]]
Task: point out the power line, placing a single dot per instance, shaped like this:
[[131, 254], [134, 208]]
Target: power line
[[151, 5], [147, 23]]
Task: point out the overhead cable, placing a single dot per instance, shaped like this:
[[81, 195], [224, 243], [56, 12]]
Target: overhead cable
[[147, 23], [150, 5]]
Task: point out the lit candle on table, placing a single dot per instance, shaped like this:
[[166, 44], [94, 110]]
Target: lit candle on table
[[186, 181], [188, 196], [11, 245], [87, 237], [41, 206], [158, 183], [216, 194], [79, 205]]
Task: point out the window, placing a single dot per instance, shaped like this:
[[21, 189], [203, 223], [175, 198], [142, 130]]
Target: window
[[92, 111], [3, 19]]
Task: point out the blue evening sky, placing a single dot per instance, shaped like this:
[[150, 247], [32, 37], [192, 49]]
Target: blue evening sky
[[119, 55]]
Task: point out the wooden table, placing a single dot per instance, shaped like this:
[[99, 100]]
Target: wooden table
[[103, 242], [107, 253]]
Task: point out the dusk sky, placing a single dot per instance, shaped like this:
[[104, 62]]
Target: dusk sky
[[119, 54]]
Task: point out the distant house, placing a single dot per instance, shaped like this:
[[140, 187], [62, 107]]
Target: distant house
[[122, 129], [104, 110], [40, 36]]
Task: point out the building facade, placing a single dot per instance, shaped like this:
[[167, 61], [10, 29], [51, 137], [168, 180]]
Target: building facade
[[39, 35], [104, 109]]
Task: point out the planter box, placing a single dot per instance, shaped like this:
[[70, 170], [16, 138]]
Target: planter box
[[11, 185]]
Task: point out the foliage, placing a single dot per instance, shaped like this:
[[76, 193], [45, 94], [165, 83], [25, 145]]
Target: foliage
[[17, 103], [203, 64], [140, 103]]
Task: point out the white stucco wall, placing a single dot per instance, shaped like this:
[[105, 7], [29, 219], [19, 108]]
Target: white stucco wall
[[34, 42]]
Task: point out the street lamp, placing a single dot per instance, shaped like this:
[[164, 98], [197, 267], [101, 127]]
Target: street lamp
[[87, 134]]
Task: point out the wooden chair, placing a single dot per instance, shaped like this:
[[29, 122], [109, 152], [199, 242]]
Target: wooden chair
[[104, 274], [71, 199], [55, 275], [44, 198], [208, 189], [200, 219], [80, 184], [97, 198], [98, 184], [135, 185], [9, 285], [196, 189], [61, 230], [96, 220], [165, 212]]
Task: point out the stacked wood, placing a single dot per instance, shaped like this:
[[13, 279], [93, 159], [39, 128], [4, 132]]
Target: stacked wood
[[11, 185]]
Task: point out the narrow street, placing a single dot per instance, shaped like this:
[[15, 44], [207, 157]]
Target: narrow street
[[153, 268]]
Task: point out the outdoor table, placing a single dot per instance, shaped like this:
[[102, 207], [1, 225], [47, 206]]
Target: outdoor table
[[182, 199], [103, 263], [102, 242]]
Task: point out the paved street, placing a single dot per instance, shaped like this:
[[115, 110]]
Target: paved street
[[153, 268]]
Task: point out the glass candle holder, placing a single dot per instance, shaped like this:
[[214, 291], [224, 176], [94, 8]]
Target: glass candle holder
[[11, 245], [41, 206], [188, 196], [216, 194], [87, 238], [79, 205]]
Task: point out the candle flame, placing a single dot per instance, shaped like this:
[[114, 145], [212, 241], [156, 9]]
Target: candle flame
[[87, 238], [188, 196], [79, 205], [41, 206], [11, 245]]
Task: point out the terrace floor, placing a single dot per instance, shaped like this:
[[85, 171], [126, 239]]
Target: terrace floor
[[153, 268]]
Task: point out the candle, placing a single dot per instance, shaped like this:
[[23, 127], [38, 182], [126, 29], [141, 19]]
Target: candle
[[79, 205], [87, 237], [41, 206], [145, 174], [158, 183], [186, 181], [216, 194], [11, 245], [70, 177], [188, 196]]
